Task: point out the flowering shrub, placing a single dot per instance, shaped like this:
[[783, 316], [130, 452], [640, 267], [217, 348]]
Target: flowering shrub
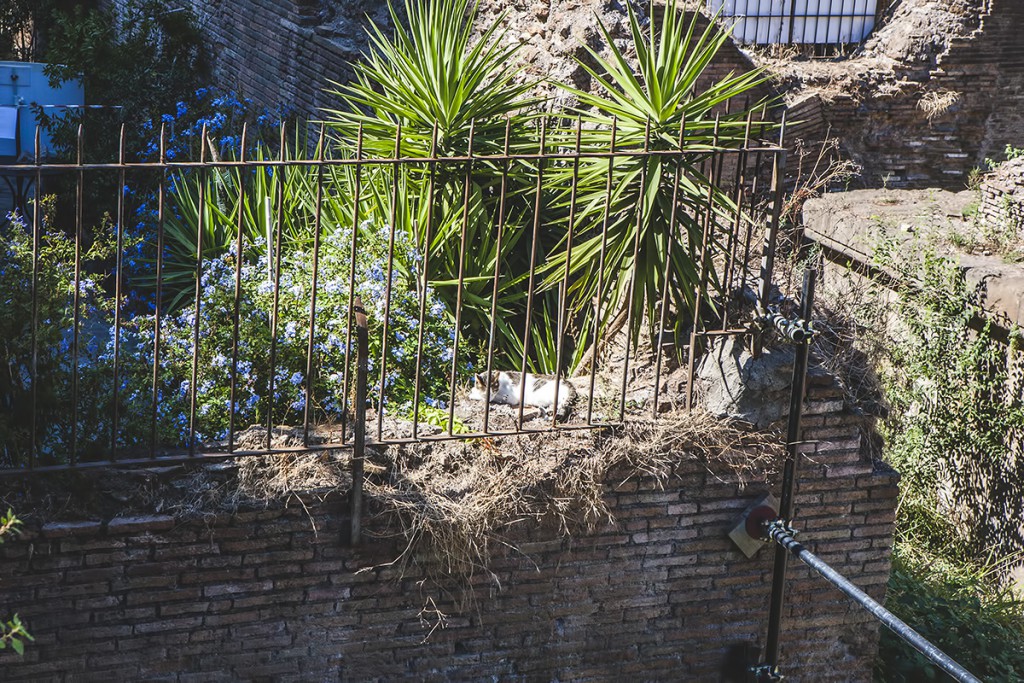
[[54, 337], [217, 364], [252, 373], [222, 114]]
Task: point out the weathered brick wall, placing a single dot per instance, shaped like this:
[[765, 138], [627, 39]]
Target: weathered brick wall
[[282, 53], [1002, 197], [658, 595], [888, 131], [285, 52]]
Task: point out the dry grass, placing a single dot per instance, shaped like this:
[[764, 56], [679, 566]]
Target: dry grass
[[453, 504], [935, 103]]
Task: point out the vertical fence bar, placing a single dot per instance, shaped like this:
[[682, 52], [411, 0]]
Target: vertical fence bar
[[533, 267], [467, 183], [118, 280], [706, 266], [36, 243], [667, 271], [497, 273], [734, 234], [359, 428], [425, 279], [751, 196], [631, 291], [233, 398], [76, 298], [387, 284], [563, 303], [789, 473], [768, 256], [311, 345], [357, 188], [201, 226], [789, 30], [158, 297], [595, 346], [275, 259]]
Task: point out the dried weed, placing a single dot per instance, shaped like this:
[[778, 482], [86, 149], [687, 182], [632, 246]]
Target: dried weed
[[453, 504]]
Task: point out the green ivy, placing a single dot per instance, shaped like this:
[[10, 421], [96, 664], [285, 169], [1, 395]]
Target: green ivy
[[12, 632], [954, 430]]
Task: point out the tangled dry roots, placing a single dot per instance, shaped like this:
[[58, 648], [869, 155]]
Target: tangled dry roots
[[452, 503]]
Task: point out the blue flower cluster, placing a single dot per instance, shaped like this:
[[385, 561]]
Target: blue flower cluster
[[222, 115]]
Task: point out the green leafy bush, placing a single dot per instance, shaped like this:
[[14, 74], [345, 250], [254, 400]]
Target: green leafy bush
[[50, 274], [953, 432], [956, 415], [144, 59], [961, 612], [12, 632]]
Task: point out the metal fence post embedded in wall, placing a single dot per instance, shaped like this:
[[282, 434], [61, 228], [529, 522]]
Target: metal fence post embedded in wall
[[359, 427], [789, 473]]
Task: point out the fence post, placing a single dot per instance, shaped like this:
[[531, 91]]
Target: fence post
[[359, 428], [789, 32], [770, 239], [789, 480]]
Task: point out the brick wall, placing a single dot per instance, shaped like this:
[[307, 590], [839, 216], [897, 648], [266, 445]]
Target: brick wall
[[285, 52], [658, 595], [1002, 198], [282, 52], [889, 133]]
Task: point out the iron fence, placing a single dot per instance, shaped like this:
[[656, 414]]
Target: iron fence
[[799, 22], [173, 310]]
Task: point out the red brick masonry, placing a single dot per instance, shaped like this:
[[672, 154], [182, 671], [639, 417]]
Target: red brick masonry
[[659, 595]]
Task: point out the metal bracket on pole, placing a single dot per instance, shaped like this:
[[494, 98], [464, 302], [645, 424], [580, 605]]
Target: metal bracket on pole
[[798, 331], [763, 673]]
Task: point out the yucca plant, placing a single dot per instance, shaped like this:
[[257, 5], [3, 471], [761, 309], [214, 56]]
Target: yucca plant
[[262, 195], [450, 95], [651, 107], [433, 73]]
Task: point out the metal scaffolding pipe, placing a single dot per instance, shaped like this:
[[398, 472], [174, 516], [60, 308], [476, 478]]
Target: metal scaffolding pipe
[[781, 535], [789, 473]]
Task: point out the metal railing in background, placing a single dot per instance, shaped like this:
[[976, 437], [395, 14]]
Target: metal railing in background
[[798, 22], [222, 294]]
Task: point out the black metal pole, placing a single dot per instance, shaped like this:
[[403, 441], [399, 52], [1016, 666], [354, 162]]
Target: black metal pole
[[787, 543], [359, 428], [771, 650]]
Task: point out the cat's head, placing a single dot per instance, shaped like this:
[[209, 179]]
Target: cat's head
[[481, 380]]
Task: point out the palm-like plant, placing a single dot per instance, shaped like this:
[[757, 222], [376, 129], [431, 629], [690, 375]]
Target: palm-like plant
[[431, 73], [428, 92], [623, 226], [203, 211]]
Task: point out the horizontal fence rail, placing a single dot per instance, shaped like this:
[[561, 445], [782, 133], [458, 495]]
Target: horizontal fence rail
[[188, 308]]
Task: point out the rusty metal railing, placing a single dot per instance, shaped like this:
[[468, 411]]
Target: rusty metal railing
[[223, 296]]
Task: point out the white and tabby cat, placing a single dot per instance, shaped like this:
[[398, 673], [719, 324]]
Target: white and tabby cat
[[539, 391]]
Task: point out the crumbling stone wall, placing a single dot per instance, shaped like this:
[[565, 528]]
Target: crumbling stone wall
[[912, 118], [285, 52], [1002, 197], [659, 594]]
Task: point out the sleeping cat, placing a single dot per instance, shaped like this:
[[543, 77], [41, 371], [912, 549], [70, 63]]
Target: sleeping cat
[[539, 391]]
